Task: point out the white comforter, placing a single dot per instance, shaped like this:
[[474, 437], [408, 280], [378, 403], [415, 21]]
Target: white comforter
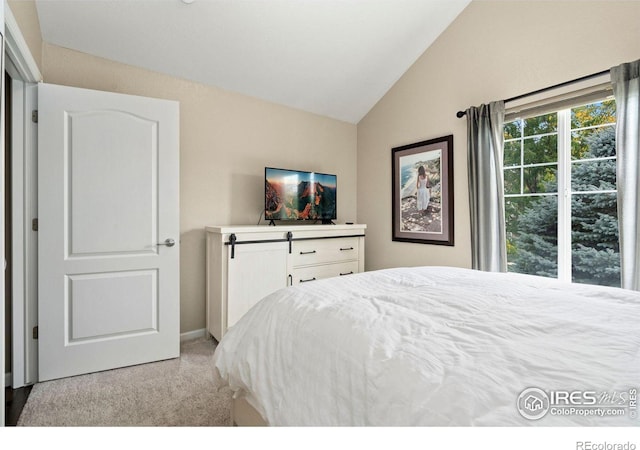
[[431, 346]]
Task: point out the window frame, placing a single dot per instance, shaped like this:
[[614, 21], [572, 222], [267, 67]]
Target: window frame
[[564, 190]]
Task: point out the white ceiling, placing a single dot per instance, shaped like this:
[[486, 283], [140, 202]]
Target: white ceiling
[[336, 58]]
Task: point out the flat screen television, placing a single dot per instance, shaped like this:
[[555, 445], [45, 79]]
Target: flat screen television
[[299, 195]]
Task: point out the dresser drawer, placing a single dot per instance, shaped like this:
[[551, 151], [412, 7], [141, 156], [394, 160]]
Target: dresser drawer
[[307, 274], [322, 251]]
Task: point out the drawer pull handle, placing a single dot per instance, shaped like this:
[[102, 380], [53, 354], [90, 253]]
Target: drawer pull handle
[[307, 253], [346, 248], [346, 273], [305, 281]]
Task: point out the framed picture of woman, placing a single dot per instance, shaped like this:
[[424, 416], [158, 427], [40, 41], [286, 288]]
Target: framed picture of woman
[[422, 190]]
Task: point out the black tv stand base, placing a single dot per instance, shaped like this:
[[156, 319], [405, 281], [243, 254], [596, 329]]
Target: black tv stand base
[[327, 222], [271, 222]]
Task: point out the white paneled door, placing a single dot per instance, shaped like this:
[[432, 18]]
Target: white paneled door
[[108, 231]]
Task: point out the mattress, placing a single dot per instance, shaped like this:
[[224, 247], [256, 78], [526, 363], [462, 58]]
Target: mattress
[[438, 346]]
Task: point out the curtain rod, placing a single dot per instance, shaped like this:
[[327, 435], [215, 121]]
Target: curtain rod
[[460, 114]]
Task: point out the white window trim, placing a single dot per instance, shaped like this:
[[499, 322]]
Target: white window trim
[[564, 197], [563, 175], [565, 97]]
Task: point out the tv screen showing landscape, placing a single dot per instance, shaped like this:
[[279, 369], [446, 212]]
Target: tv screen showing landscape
[[298, 195]]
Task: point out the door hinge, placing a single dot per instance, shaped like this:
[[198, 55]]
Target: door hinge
[[34, 224], [35, 332], [34, 116]]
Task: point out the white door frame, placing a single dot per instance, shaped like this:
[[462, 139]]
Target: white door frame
[[25, 73]]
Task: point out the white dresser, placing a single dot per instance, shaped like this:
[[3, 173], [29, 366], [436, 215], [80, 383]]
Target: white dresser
[[246, 263]]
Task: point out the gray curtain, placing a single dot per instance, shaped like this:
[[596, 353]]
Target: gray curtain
[[485, 141], [626, 87]]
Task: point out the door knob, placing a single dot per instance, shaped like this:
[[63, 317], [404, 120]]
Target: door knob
[[168, 242]]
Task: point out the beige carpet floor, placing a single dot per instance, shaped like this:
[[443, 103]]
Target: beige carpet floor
[[177, 392]]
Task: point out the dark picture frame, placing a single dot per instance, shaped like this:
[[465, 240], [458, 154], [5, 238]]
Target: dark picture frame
[[423, 205]]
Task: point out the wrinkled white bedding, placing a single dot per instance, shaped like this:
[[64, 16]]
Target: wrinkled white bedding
[[430, 346]]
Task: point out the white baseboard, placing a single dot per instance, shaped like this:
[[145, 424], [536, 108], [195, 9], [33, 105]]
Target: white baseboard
[[8, 379], [195, 334]]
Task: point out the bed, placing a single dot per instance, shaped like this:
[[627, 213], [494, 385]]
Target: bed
[[435, 346]]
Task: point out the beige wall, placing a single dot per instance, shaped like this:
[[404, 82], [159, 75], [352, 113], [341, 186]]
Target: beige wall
[[26, 15], [493, 50], [226, 140]]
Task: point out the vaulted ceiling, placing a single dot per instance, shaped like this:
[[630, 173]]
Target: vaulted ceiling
[[335, 58]]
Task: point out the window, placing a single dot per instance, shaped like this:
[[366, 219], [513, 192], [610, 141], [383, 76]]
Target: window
[[560, 195]]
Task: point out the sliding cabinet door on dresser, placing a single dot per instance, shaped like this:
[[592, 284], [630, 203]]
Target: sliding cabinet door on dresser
[[255, 271], [247, 263], [239, 276]]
